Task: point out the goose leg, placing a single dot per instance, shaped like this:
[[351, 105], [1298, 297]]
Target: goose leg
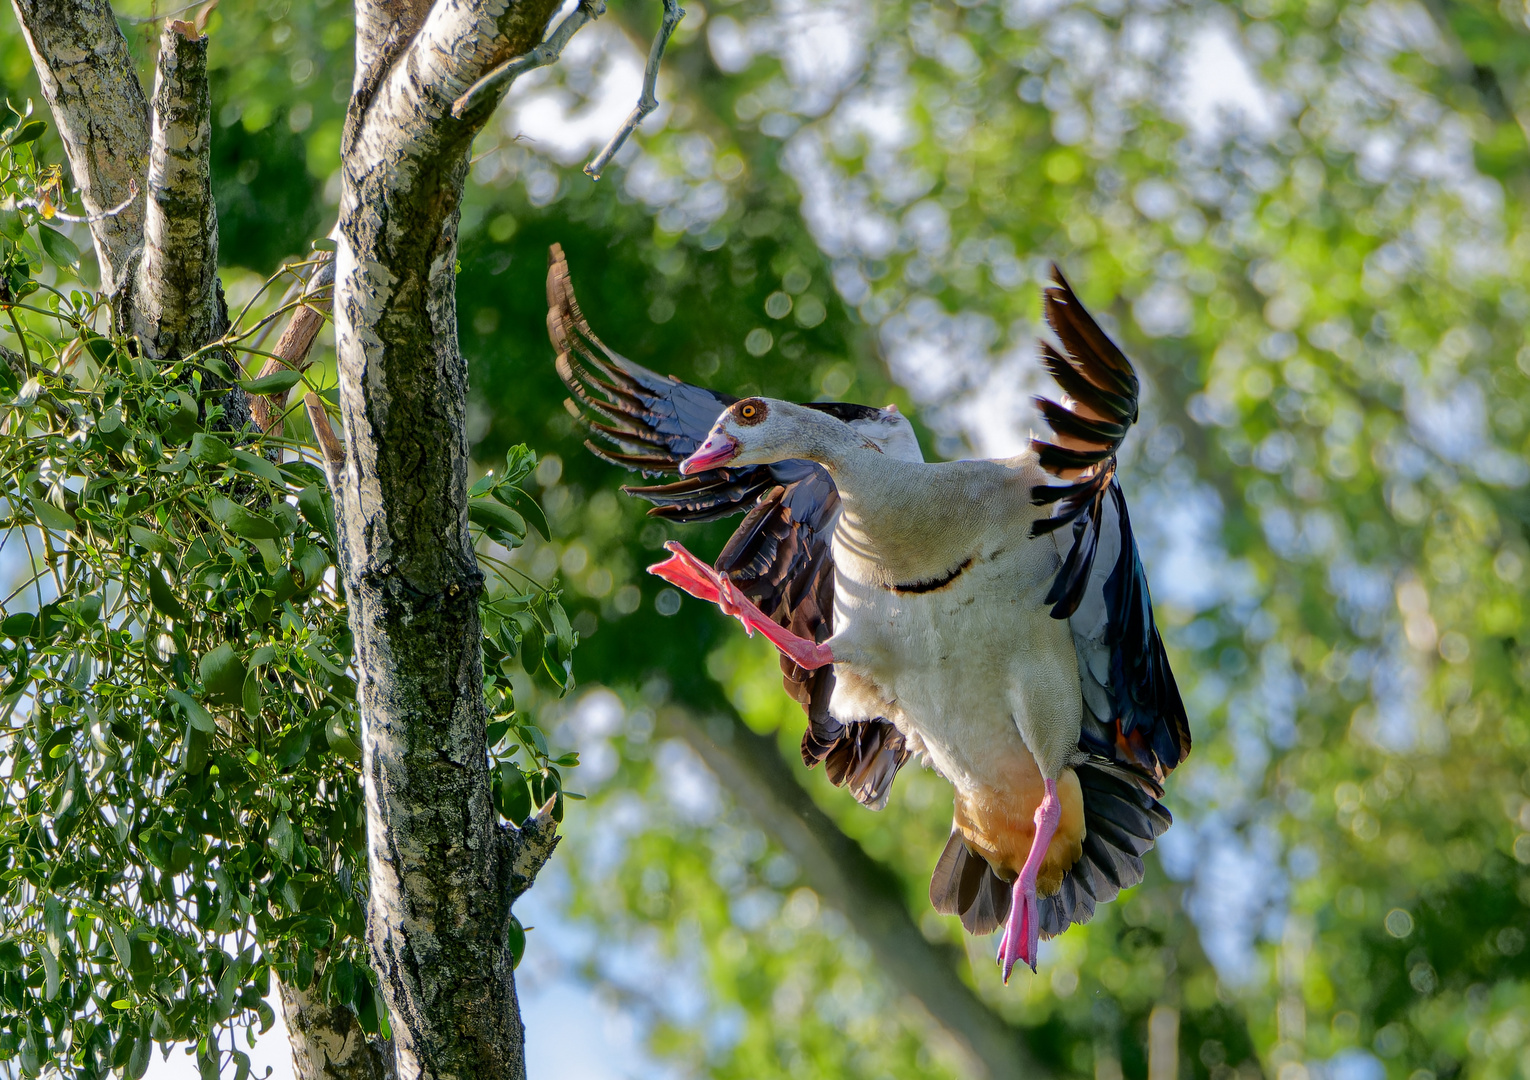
[[684, 570], [1023, 931]]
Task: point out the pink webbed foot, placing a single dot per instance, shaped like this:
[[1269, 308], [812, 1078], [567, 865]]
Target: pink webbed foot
[[1022, 933], [1018, 942], [685, 571]]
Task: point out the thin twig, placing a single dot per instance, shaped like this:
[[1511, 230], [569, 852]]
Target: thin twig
[[299, 282], [329, 444], [144, 20], [83, 219], [26, 353], [297, 339], [546, 53], [648, 100]]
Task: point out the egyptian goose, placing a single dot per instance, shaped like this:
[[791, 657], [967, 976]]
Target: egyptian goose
[[934, 608]]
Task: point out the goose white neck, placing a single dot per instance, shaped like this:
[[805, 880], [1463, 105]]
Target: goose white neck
[[785, 431]]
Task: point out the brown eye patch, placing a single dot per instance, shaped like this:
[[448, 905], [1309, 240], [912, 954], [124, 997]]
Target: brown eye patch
[[750, 412]]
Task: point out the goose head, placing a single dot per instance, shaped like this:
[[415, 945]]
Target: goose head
[[762, 431]]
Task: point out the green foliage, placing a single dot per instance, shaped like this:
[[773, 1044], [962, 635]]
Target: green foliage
[[184, 815], [526, 630]]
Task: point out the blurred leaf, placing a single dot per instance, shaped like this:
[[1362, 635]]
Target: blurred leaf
[[276, 383], [50, 969], [161, 595], [511, 796], [209, 449], [28, 132], [151, 541], [501, 522], [58, 247], [516, 941], [51, 517], [340, 741], [254, 463], [527, 506]]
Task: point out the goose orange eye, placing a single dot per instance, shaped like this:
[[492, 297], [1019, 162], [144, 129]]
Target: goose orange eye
[[747, 412]]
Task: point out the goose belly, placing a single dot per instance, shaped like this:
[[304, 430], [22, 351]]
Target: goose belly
[[977, 671]]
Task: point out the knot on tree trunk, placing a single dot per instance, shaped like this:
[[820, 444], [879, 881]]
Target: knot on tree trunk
[[400, 599]]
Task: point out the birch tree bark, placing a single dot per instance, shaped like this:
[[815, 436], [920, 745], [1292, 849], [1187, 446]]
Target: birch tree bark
[[177, 302], [102, 115], [443, 871], [328, 1043]]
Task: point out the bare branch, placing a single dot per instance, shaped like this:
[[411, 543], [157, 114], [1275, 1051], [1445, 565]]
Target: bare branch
[[648, 100], [544, 54], [87, 76], [750, 768], [85, 219], [294, 288], [177, 307], [329, 443], [293, 346]]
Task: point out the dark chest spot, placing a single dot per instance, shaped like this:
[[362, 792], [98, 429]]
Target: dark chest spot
[[932, 584]]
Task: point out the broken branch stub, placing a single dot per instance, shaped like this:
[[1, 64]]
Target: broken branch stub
[[294, 346], [177, 304]]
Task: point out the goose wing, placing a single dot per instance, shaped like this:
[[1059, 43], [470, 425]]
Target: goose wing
[[1133, 716], [780, 556], [1133, 729]]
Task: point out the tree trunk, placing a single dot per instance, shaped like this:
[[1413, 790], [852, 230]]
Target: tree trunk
[[102, 115], [442, 867], [177, 304], [328, 1043]]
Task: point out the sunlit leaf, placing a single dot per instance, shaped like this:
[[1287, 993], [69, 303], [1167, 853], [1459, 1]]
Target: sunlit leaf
[[51, 517], [28, 132], [199, 717]]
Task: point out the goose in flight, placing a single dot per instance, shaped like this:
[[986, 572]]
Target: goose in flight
[[990, 616]]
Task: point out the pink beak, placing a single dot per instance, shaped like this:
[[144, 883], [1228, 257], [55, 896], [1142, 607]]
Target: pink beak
[[718, 450]]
